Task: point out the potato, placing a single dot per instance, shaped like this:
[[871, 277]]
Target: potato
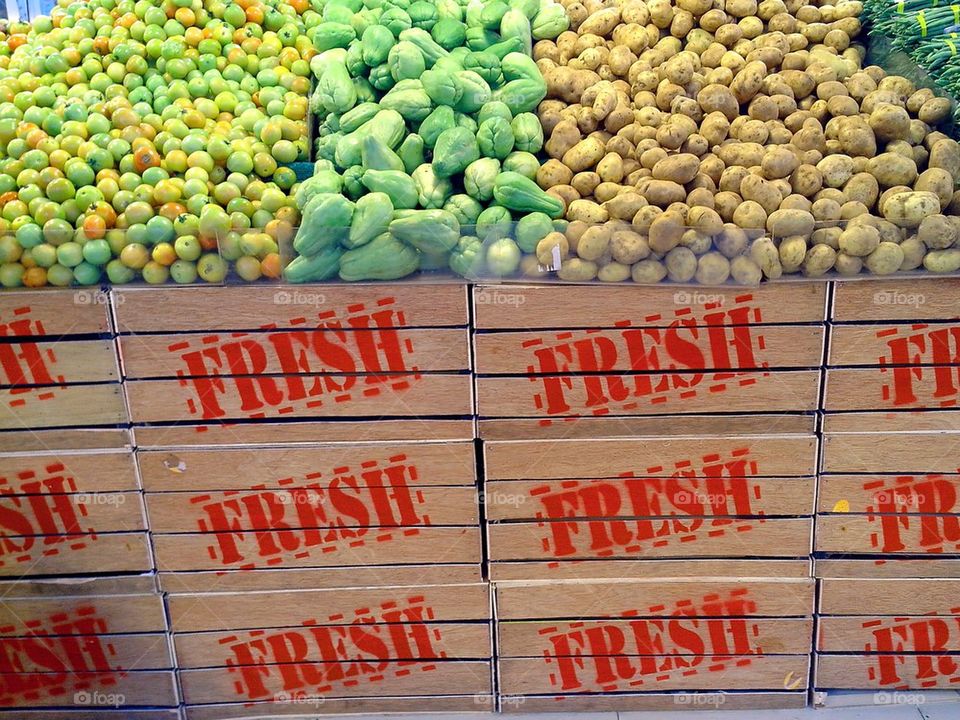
[[666, 231], [913, 253], [553, 172], [648, 272], [754, 187], [584, 155], [860, 240], [679, 169], [594, 242], [937, 232], [806, 180], [565, 193], [585, 183], [553, 245], [726, 204], [835, 170], [613, 272], [934, 111], [826, 210], [792, 252], [863, 188], [942, 261], [625, 205], [848, 265], [701, 197], [681, 264], [712, 269], [628, 246], [853, 209], [663, 192], [731, 241], [779, 162], [610, 168], [705, 220], [750, 214], [565, 136], [745, 271], [819, 260], [885, 260], [892, 169], [783, 223], [945, 154], [765, 254], [827, 236], [856, 138], [890, 122], [908, 209], [577, 270]]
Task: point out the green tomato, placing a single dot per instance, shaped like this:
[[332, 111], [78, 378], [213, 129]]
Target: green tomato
[[120, 274], [70, 254], [212, 268], [183, 272], [503, 257], [60, 276], [86, 274], [11, 274]]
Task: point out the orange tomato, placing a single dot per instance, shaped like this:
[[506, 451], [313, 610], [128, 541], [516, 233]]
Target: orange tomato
[[16, 41], [255, 14], [270, 265], [208, 242], [145, 157], [35, 277], [94, 227], [171, 210], [106, 211]]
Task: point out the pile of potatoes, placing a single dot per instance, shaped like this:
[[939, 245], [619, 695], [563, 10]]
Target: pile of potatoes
[[703, 140]]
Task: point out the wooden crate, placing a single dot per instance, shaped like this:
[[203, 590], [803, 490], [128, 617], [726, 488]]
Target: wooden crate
[[58, 361], [369, 495], [649, 489], [320, 651], [626, 644], [888, 627], [86, 647], [207, 355], [553, 352]]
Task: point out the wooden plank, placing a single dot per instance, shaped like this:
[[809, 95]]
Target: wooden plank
[[888, 568], [250, 610], [900, 534], [899, 494], [76, 554], [648, 497], [919, 299], [653, 597], [479, 702], [919, 452], [320, 351], [417, 641], [78, 586], [329, 396], [887, 672], [900, 344], [67, 472], [62, 407], [908, 387], [14, 441], [200, 309], [868, 633], [25, 364], [519, 676], [885, 596], [49, 515], [311, 508], [780, 636], [388, 678], [596, 306], [640, 569], [76, 615], [654, 702], [649, 349], [136, 688], [891, 422], [588, 428], [54, 313], [98, 714], [126, 652], [319, 578], [302, 433], [422, 464], [648, 394], [652, 457], [313, 548], [657, 538]]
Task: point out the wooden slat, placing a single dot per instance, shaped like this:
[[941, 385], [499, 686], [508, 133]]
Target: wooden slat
[[158, 356], [659, 538], [81, 472], [301, 433], [867, 633], [592, 306], [781, 636], [129, 652], [243, 469], [76, 554], [532, 459], [648, 349], [921, 452], [914, 387], [47, 514], [892, 422], [901, 494], [900, 534], [346, 706], [53, 313], [359, 396], [887, 672], [62, 407], [120, 613], [654, 702], [201, 309], [58, 362], [319, 578], [584, 395], [192, 512], [519, 676], [143, 688], [888, 568], [639, 569], [98, 714], [22, 441], [652, 597], [454, 641], [901, 344], [396, 679], [918, 299], [648, 497], [914, 596], [250, 610]]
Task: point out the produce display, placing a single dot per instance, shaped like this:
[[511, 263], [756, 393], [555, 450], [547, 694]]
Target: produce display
[[152, 140]]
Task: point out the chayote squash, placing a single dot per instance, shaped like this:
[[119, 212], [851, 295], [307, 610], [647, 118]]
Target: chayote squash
[[449, 33], [494, 222], [360, 114], [335, 91], [456, 148], [479, 178], [316, 268], [431, 231], [517, 66], [467, 122], [365, 91], [464, 208], [327, 146], [549, 22], [515, 24], [522, 162], [449, 10], [337, 13], [375, 155], [529, 8], [411, 153], [522, 96], [494, 108], [479, 38], [406, 61], [466, 259], [412, 103], [398, 185], [432, 191], [506, 46], [329, 35], [354, 63], [381, 77], [486, 65], [527, 132], [383, 258], [396, 20], [423, 14], [503, 257], [371, 217], [322, 183], [530, 230], [326, 220], [387, 125], [442, 87], [495, 138], [492, 14], [375, 44], [421, 38], [476, 91], [516, 192], [442, 118], [353, 182]]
